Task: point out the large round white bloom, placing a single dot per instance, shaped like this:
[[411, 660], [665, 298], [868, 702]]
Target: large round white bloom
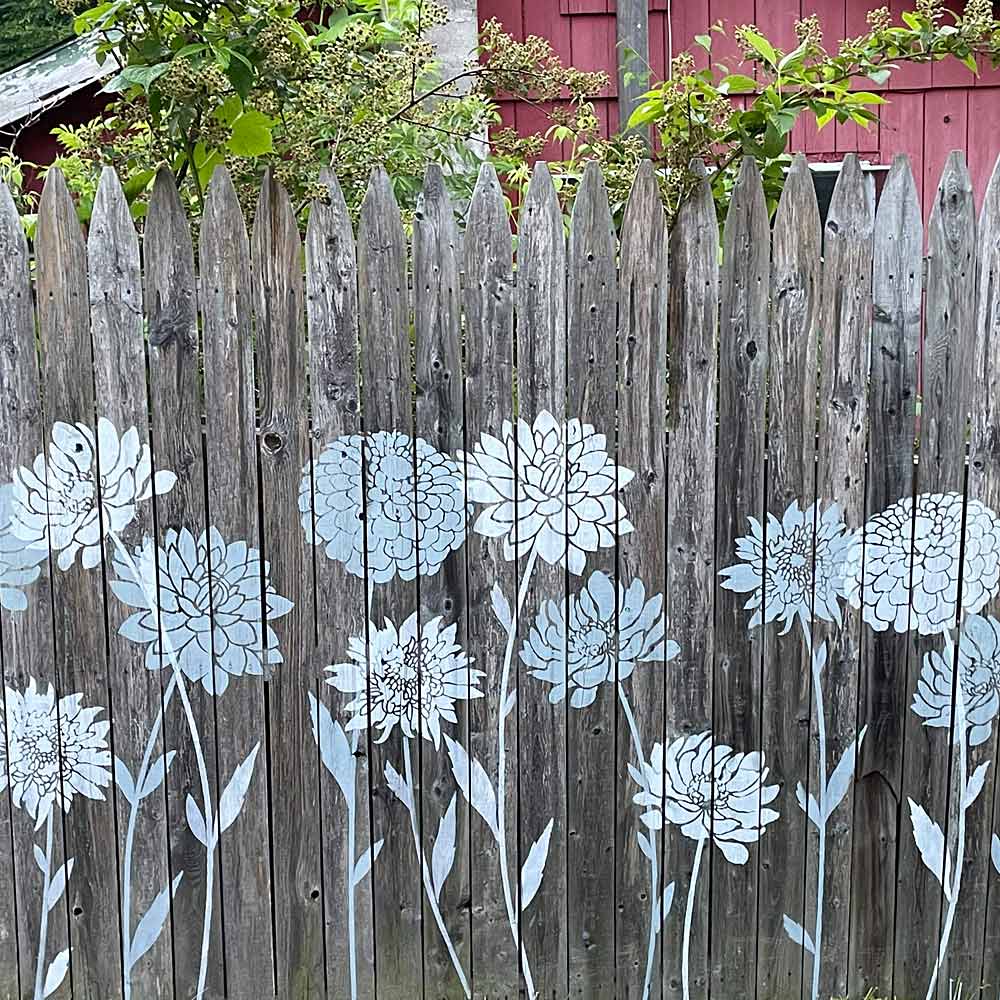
[[414, 505], [20, 561], [66, 502], [55, 750], [563, 498], [927, 540], [209, 606], [406, 676]]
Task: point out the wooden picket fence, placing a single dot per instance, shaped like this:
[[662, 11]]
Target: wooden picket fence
[[244, 829]]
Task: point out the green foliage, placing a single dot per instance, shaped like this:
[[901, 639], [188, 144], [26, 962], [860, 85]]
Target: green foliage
[[27, 27]]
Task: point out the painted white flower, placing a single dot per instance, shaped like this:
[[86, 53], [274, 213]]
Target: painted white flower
[[206, 616], [66, 502], [412, 517], [54, 749], [930, 538], [20, 561], [406, 676], [979, 676], [709, 791], [780, 575], [595, 646], [565, 491]]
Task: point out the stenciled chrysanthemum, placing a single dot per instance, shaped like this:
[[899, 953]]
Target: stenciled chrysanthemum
[[799, 572], [413, 509], [89, 485], [410, 677], [595, 648], [55, 749], [209, 604], [563, 499], [709, 791], [20, 561], [903, 569], [979, 678]]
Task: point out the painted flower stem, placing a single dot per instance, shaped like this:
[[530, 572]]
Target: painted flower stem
[[654, 875], [43, 932], [688, 920], [428, 881], [817, 681], [352, 934]]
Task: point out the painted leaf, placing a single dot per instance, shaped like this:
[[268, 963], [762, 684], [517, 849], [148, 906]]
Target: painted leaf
[[124, 781], [501, 608], [843, 774], [56, 973], [474, 782], [334, 748], [508, 705], [930, 843], [40, 859], [799, 934], [975, 785], [819, 657], [995, 852], [398, 786], [663, 911], [364, 863], [534, 866], [151, 925], [235, 793], [58, 884], [809, 806], [156, 774], [644, 844], [443, 856], [196, 822]]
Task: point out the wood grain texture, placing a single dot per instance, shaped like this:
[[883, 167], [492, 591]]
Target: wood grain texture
[[488, 306], [883, 696], [690, 594], [631, 32], [541, 385], [332, 310], [77, 592], [244, 853], [739, 494], [283, 452]]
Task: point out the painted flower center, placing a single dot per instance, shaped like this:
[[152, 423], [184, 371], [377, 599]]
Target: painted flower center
[[597, 641], [792, 557], [39, 744]]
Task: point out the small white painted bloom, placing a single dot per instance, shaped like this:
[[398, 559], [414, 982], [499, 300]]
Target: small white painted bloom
[[414, 506], [904, 565], [780, 575], [406, 676], [66, 502], [209, 607], [564, 491], [709, 791], [597, 646], [55, 750], [20, 561]]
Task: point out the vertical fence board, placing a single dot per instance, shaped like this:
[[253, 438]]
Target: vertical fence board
[[439, 422], [171, 301], [488, 301], [387, 402], [332, 308], [120, 387], [26, 635], [947, 358], [78, 606], [592, 307], [693, 318], [791, 422], [896, 300], [642, 448], [283, 451], [739, 493], [541, 386], [243, 859]]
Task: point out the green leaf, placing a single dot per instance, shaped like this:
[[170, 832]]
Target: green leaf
[[251, 135], [229, 110], [762, 46], [136, 76], [241, 75], [737, 83], [792, 57], [879, 76], [705, 41], [824, 119]]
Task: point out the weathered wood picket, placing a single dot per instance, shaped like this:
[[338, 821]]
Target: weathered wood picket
[[408, 623]]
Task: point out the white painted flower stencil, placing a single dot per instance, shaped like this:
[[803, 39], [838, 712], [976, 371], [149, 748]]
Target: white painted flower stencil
[[20, 563]]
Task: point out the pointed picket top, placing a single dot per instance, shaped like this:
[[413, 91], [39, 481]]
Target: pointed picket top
[[275, 231], [852, 208], [591, 220], [329, 217], [15, 288], [541, 261], [798, 208], [113, 254], [223, 221], [381, 224], [541, 201], [59, 242], [644, 209], [747, 207], [899, 205], [435, 217], [13, 241]]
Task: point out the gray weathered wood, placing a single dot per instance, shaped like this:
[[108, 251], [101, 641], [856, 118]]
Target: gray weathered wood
[[332, 310], [77, 593], [693, 318], [884, 699], [489, 401], [283, 451], [541, 386], [171, 302], [592, 311], [632, 32], [384, 316], [243, 858], [26, 636], [642, 448], [739, 493], [947, 361]]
